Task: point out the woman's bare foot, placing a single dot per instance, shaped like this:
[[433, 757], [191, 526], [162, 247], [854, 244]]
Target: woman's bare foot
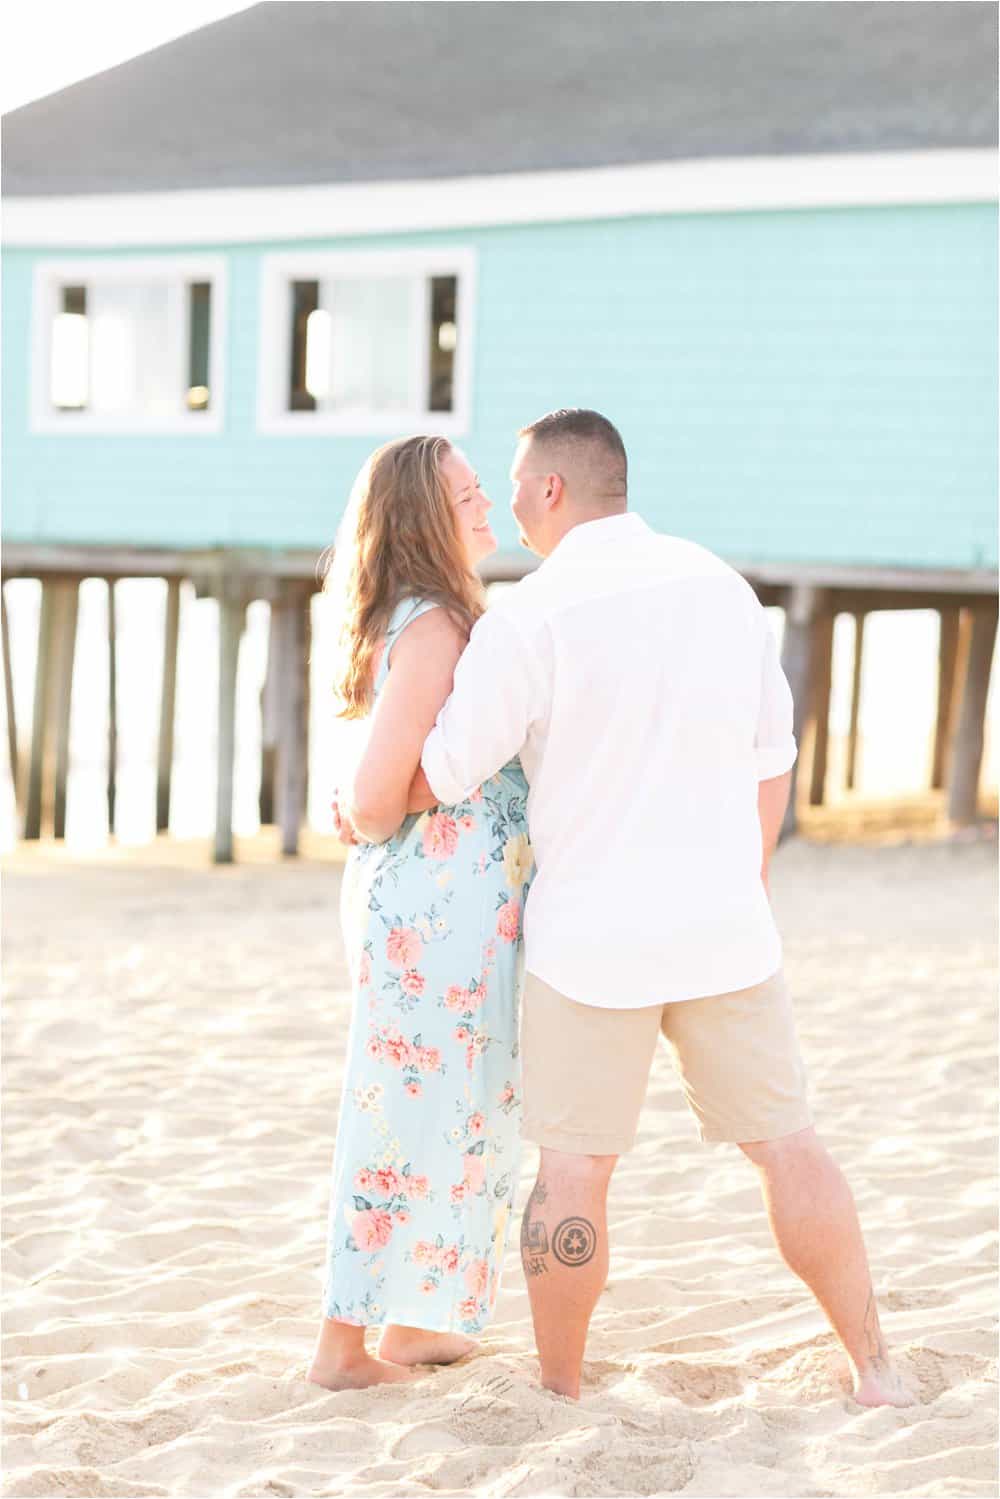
[[882, 1386], [358, 1374], [418, 1345]]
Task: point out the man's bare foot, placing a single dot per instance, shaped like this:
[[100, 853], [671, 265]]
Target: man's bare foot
[[358, 1375], [882, 1386], [418, 1345]]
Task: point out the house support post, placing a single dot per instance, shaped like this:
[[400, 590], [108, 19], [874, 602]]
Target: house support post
[[852, 738], [967, 747], [168, 697]]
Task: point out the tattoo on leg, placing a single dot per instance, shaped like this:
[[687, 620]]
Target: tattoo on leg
[[574, 1242], [536, 1239], [536, 1267]]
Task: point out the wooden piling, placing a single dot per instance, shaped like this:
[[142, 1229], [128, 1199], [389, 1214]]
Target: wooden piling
[[269, 712], [112, 786], [947, 665], [232, 614], [168, 694], [852, 737], [803, 604], [292, 637], [65, 651], [822, 681], [8, 688], [44, 671], [967, 747]]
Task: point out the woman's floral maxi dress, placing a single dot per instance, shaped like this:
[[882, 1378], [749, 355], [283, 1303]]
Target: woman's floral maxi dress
[[425, 1165]]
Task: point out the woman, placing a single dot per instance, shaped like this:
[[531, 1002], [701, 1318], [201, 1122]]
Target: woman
[[426, 1157]]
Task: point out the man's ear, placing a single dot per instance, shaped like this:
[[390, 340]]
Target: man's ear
[[555, 490]]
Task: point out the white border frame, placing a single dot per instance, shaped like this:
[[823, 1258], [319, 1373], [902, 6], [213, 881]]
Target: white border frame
[[277, 271], [50, 275], [746, 184]]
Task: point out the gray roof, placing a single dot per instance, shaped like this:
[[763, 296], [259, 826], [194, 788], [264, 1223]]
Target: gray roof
[[330, 92]]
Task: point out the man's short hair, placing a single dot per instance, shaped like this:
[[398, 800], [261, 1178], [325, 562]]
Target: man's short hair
[[591, 444]]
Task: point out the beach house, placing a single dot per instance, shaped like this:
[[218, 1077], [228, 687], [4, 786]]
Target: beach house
[[760, 237]]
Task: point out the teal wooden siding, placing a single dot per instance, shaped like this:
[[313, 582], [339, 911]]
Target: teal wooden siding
[[807, 386]]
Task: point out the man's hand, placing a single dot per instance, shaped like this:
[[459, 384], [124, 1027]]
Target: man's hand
[[342, 824]]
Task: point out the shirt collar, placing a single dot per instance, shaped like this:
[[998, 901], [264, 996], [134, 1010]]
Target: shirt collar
[[594, 535]]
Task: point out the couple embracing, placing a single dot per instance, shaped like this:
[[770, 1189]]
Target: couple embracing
[[596, 769]]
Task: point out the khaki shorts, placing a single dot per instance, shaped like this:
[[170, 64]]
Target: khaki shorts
[[585, 1069]]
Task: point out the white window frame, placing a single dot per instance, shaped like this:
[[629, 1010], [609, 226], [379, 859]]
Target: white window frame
[[277, 274], [175, 271]]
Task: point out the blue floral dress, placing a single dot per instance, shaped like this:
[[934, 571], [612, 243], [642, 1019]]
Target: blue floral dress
[[425, 1165]]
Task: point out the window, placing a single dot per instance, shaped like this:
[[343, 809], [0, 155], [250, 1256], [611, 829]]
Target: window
[[128, 345], [360, 343]]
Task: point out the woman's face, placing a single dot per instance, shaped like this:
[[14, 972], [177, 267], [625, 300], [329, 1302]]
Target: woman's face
[[471, 507]]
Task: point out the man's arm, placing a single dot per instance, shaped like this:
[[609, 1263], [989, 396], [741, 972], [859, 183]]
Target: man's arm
[[498, 692], [772, 799], [775, 750]]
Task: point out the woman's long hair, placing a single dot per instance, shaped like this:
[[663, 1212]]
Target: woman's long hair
[[398, 539]]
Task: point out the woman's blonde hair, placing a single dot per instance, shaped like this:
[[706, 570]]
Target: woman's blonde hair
[[398, 539]]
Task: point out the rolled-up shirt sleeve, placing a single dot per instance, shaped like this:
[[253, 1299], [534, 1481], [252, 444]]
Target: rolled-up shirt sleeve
[[485, 721], [775, 742]]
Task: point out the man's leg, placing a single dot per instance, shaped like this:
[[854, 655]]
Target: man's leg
[[815, 1225], [564, 1250]]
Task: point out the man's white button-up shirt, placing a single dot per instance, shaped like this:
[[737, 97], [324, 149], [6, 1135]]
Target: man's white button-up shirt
[[637, 678]]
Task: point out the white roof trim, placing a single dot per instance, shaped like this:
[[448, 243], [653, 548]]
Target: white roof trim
[[720, 185]]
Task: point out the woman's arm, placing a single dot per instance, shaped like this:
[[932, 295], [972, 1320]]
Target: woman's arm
[[423, 665]]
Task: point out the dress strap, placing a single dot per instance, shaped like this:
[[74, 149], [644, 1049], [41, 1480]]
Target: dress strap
[[405, 612]]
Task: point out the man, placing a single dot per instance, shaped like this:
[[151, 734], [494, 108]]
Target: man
[[635, 675]]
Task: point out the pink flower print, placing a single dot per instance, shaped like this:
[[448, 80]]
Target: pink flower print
[[476, 1277], [468, 1309], [458, 1193], [397, 1049], [489, 952], [428, 1059], [466, 823], [456, 998], [387, 1180], [507, 1096], [474, 1171], [403, 946], [402, 1216], [440, 836], [428, 1287], [424, 1252], [412, 982], [460, 1033], [476, 1124], [475, 997], [374, 1049], [448, 1259], [364, 970], [418, 1186], [475, 796], [413, 1088], [509, 920], [363, 1180], [371, 1229]]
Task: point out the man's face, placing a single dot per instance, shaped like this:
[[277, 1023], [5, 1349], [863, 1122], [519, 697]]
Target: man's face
[[529, 488]]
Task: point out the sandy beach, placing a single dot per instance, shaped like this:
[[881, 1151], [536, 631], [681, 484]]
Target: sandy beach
[[174, 1044]]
